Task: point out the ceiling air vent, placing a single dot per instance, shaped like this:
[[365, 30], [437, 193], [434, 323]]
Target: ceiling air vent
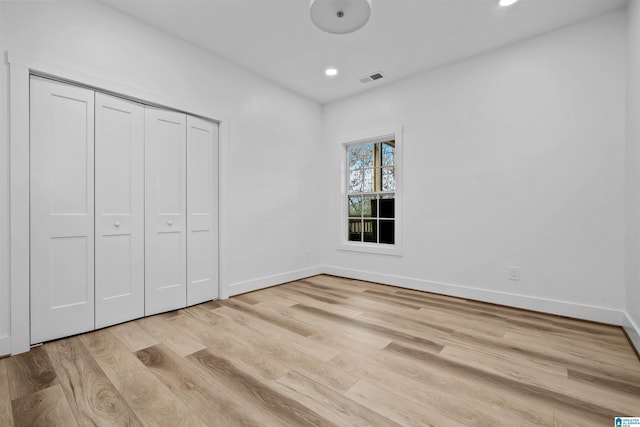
[[372, 77]]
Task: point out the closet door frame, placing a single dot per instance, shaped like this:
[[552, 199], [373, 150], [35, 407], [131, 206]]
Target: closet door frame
[[21, 67]]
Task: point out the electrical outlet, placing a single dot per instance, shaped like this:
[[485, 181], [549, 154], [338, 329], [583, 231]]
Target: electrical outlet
[[514, 273]]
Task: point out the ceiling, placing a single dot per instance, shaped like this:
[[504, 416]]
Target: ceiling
[[276, 39]]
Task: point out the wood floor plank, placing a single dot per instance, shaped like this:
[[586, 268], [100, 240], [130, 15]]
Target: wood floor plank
[[286, 297], [376, 309], [606, 382], [462, 324], [252, 362], [201, 313], [461, 316], [326, 334], [356, 285], [330, 351], [509, 367], [323, 328], [269, 317], [474, 311], [149, 399], [296, 356], [339, 284], [133, 336], [30, 372], [92, 397], [334, 406], [404, 326], [207, 398], [6, 416], [465, 400], [44, 408], [494, 347], [289, 411], [534, 391], [574, 351], [520, 343], [572, 418], [230, 347], [250, 298], [164, 332], [396, 408], [294, 341], [278, 305], [323, 289], [616, 351], [391, 298], [277, 294], [315, 296], [359, 301], [620, 400], [371, 326], [590, 328], [290, 314], [334, 283]]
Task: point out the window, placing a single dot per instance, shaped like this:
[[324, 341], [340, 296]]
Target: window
[[371, 192], [370, 198]]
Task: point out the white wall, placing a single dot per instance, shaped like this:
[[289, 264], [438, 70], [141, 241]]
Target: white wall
[[272, 139], [5, 314], [511, 158], [633, 173]]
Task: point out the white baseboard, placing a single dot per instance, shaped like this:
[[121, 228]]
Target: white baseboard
[[265, 282], [633, 331], [5, 345], [579, 311], [562, 308]]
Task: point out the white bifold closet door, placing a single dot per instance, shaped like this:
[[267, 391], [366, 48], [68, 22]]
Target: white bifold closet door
[[202, 210], [165, 211], [124, 210], [62, 210], [119, 210]]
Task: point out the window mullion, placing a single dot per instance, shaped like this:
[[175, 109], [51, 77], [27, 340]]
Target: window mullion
[[377, 171]]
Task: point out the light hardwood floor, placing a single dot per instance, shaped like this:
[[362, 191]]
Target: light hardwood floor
[[329, 351]]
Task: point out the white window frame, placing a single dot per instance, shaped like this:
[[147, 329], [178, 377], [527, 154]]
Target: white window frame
[[371, 137]]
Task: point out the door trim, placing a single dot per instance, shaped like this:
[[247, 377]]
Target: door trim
[[20, 68]]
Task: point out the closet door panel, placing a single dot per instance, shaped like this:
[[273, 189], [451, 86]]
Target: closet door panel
[[119, 233], [61, 209], [202, 210], [165, 211]]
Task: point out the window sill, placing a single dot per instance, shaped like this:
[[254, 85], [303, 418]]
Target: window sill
[[377, 249]]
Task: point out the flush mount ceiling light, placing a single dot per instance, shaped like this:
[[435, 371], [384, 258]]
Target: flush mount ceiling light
[[505, 3], [340, 16]]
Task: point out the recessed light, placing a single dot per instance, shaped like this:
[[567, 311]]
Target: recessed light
[[505, 3], [331, 72]]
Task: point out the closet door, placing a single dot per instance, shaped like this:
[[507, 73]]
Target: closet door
[[119, 195], [165, 211], [202, 210], [61, 209]]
